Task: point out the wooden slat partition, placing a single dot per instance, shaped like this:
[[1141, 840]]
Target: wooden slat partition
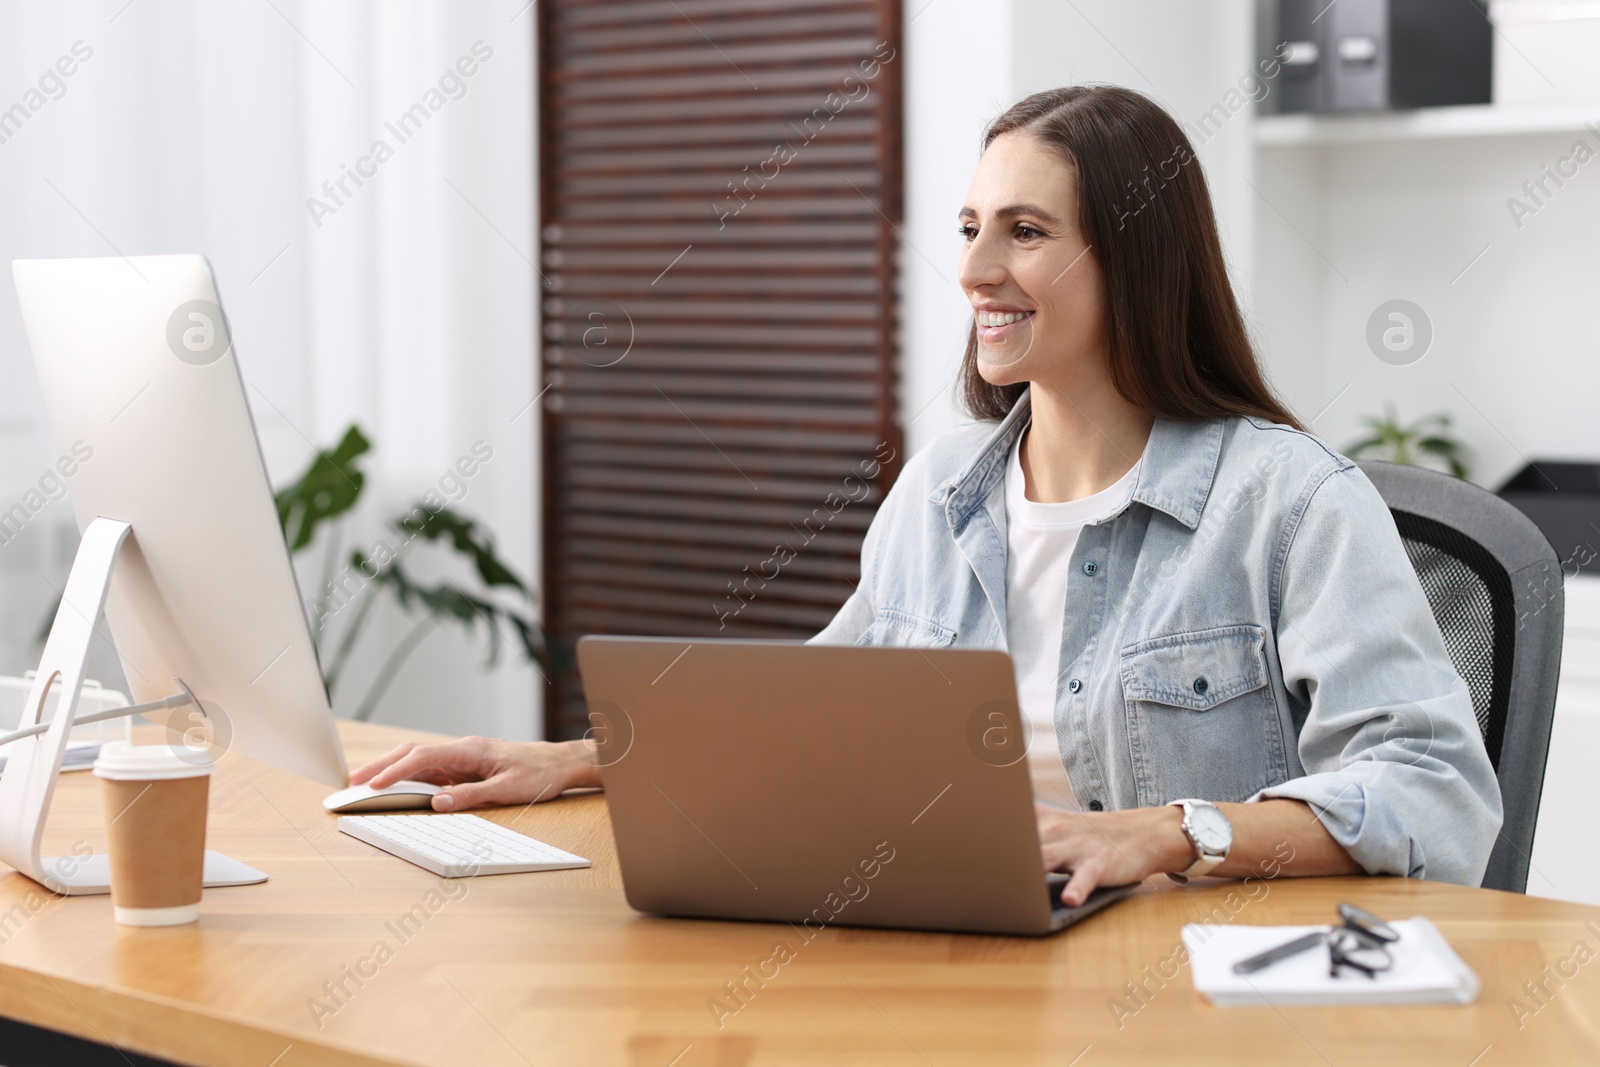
[[720, 188]]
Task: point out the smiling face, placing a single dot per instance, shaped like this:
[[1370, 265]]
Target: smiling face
[[1036, 288]]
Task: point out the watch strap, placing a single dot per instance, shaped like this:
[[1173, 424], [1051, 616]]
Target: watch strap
[[1204, 863]]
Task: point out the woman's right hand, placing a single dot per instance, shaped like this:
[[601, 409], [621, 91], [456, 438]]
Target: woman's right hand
[[482, 772]]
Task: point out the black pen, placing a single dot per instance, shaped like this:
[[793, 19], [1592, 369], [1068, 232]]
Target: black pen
[[1284, 951]]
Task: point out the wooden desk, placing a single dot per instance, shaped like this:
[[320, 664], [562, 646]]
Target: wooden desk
[[555, 968]]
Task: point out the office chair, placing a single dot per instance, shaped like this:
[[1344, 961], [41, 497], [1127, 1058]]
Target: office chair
[[1494, 585]]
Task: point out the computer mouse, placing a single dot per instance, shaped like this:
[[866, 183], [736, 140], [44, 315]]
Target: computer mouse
[[398, 796]]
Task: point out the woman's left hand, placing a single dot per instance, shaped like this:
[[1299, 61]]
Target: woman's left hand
[[1108, 848]]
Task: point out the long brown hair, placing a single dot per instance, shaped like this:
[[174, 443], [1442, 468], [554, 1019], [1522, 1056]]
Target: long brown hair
[[1179, 348]]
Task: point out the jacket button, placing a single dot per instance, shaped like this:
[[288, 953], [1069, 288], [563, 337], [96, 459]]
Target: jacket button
[[1074, 685], [1201, 685], [1090, 568], [1095, 805]]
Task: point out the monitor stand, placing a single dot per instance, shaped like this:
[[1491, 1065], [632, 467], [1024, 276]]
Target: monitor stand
[[34, 760]]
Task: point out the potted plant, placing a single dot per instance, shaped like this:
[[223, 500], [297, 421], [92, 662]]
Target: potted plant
[[1425, 443], [352, 586]]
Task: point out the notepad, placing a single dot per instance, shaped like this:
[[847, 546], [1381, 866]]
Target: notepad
[[1426, 969], [80, 755]]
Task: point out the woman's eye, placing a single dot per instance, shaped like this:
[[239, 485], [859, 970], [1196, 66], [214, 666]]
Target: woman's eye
[[1028, 233], [969, 232]]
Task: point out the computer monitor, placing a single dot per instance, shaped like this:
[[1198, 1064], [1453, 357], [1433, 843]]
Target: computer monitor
[[136, 362]]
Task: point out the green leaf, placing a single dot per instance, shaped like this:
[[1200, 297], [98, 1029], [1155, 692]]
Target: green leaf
[[466, 537], [330, 486], [1397, 442], [448, 602], [1448, 449]]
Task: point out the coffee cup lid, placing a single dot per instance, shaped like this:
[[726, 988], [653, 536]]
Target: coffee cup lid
[[126, 762]]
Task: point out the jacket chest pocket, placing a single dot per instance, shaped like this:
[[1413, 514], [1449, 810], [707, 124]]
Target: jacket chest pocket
[[898, 629], [1202, 721]]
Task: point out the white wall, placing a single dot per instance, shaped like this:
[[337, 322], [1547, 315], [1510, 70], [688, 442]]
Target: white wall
[[967, 61], [954, 86], [1513, 354], [199, 126]]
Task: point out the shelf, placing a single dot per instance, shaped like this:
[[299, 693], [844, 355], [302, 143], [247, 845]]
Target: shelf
[[1477, 120]]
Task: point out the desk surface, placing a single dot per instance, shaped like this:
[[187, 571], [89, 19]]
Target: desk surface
[[555, 968]]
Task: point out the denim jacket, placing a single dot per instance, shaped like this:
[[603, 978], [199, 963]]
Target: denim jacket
[[1247, 626]]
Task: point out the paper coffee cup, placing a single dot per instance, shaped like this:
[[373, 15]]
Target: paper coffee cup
[[155, 803]]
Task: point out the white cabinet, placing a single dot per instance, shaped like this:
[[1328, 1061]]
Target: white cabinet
[[1566, 846]]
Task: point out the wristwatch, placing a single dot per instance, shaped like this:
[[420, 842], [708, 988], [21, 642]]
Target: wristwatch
[[1211, 834]]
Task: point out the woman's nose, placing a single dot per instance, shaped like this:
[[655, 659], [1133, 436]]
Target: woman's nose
[[981, 265]]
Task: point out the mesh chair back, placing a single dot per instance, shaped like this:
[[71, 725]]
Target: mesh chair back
[[1494, 585], [1470, 595]]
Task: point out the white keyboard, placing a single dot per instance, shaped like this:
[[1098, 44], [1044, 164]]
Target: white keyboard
[[457, 846]]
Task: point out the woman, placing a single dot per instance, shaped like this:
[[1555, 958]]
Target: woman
[[1210, 612]]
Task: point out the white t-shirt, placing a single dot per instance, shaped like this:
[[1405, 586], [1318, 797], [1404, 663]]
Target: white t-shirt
[[1039, 543]]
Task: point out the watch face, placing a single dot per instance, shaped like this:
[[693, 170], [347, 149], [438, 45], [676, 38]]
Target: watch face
[[1211, 829]]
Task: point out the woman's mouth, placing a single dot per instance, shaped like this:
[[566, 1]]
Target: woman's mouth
[[995, 327]]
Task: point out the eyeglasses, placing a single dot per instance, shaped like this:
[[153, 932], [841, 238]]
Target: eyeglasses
[[1360, 942]]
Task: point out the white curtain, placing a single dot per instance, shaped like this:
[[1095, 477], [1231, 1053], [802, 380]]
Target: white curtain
[[388, 286]]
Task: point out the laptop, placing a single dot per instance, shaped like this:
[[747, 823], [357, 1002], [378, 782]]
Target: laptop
[[821, 785]]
